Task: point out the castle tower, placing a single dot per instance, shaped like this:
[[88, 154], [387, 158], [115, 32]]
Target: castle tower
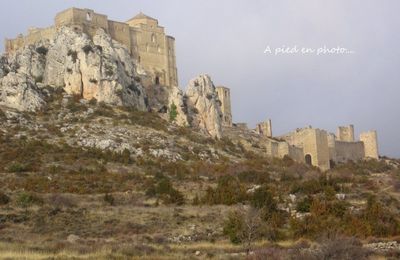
[[370, 140], [154, 50], [224, 95], [265, 128], [345, 133]]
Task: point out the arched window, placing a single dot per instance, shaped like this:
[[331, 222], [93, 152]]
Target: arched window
[[153, 38]]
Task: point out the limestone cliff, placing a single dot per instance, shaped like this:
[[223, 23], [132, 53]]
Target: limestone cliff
[[204, 109], [99, 68]]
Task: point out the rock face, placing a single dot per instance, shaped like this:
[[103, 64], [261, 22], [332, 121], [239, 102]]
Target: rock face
[[163, 98], [18, 91], [204, 109], [100, 68]]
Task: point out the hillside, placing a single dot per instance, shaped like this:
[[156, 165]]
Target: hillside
[[86, 179]]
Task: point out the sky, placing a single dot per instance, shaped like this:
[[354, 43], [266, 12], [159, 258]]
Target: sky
[[234, 41]]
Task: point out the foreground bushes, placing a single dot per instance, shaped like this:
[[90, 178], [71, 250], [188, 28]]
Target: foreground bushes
[[163, 189], [334, 217]]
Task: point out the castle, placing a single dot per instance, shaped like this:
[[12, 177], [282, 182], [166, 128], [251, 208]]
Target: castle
[[154, 53], [149, 46]]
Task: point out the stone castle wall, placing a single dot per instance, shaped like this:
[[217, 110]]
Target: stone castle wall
[[370, 140], [153, 50], [349, 151]]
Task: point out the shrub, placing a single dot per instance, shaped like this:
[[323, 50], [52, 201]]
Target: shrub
[[304, 205], [4, 199], [229, 191], [164, 190], [42, 50], [87, 49], [26, 199], [262, 198], [17, 167], [173, 113], [73, 54], [39, 79], [93, 101], [109, 199], [233, 227], [342, 248], [94, 81]]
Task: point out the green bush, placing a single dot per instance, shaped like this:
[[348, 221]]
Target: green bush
[[229, 191], [234, 226], [26, 199], [262, 198], [164, 190], [173, 113], [17, 167], [304, 205]]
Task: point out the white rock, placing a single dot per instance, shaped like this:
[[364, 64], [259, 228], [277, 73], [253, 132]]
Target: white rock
[[204, 110]]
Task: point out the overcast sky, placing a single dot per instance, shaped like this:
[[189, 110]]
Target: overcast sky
[[227, 39]]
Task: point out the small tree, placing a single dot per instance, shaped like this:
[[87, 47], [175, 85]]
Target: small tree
[[173, 113], [243, 227]]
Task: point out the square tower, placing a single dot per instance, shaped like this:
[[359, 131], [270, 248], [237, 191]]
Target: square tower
[[370, 140], [224, 95], [345, 133]]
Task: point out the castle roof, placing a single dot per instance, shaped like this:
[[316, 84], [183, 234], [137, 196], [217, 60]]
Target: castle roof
[[142, 16]]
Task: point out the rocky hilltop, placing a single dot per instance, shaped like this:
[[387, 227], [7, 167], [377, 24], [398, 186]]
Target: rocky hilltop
[[100, 69]]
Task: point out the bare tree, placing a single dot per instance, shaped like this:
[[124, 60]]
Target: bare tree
[[251, 228]]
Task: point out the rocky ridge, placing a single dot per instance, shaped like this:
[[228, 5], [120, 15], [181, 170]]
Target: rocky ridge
[[100, 69]]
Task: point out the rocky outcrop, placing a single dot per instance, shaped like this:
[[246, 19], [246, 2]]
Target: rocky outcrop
[[204, 109], [19, 92], [177, 99], [163, 99], [100, 68]]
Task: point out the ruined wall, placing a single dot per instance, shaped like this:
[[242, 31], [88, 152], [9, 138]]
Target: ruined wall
[[370, 140], [345, 133], [281, 149], [34, 35], [265, 128], [349, 151], [224, 96]]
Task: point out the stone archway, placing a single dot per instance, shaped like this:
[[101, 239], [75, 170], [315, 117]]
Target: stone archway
[[308, 159]]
